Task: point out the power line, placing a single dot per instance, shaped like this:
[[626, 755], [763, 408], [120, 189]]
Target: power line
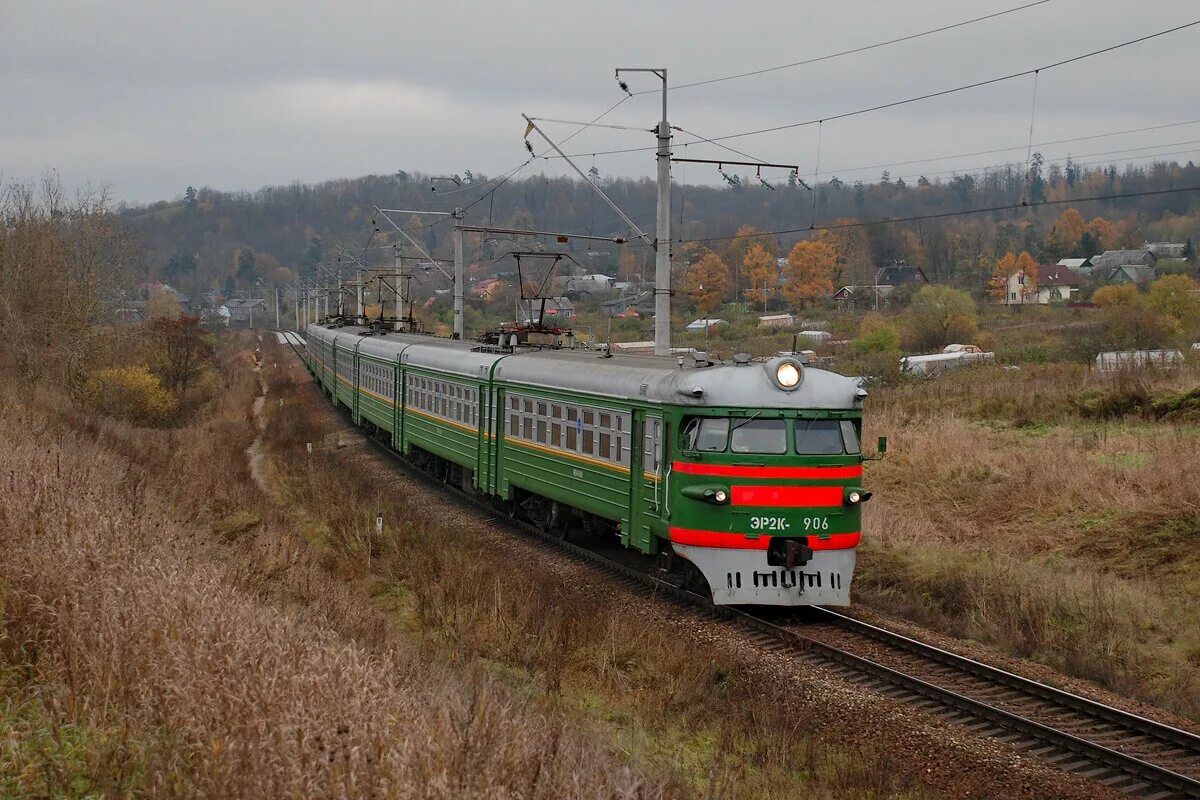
[[963, 88], [862, 49], [906, 101], [985, 167], [943, 215], [1011, 149], [503, 178]]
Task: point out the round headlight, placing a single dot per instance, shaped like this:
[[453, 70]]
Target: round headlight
[[854, 497], [720, 495], [788, 375]]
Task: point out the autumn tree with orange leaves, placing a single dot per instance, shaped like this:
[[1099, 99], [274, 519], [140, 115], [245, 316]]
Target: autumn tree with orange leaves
[[744, 239], [708, 283], [1067, 232], [760, 271], [809, 272], [998, 285], [1024, 265]]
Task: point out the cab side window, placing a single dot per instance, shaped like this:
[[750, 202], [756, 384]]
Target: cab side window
[[706, 434]]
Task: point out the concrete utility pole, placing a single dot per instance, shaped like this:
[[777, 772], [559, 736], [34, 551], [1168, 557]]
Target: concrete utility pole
[[277, 308], [459, 270], [662, 228], [358, 298], [460, 273]]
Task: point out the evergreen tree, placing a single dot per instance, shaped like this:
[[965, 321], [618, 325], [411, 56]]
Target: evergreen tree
[[247, 270], [1189, 251]]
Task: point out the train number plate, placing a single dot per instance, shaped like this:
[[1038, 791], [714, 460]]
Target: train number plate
[[778, 524], [769, 524]]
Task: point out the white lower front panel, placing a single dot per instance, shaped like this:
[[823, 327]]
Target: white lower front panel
[[739, 577]]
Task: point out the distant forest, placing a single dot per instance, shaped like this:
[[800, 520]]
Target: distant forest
[[209, 239]]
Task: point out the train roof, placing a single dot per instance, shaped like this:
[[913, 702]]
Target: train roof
[[653, 379]]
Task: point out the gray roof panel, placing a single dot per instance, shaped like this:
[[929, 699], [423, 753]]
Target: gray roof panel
[[651, 379]]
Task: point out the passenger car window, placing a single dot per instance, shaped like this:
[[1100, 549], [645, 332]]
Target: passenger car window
[[850, 437], [764, 436], [707, 434], [818, 437]]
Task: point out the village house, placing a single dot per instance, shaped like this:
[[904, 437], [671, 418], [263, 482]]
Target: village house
[[1136, 274], [898, 274], [1107, 262], [1055, 284], [874, 295], [852, 297]]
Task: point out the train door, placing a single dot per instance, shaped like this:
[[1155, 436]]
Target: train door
[[647, 482], [496, 415], [397, 405], [355, 366]]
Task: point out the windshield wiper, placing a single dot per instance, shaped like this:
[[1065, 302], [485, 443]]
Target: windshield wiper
[[746, 421]]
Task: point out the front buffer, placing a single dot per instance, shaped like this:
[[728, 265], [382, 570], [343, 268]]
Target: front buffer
[[741, 570]]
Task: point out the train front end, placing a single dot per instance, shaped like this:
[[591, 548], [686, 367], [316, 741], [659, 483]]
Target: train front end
[[766, 483]]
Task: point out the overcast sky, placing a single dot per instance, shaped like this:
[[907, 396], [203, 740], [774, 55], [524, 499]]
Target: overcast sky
[[152, 96]]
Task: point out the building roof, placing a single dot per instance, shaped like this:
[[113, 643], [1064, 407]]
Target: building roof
[[1119, 258], [1132, 273], [701, 324], [1056, 275], [895, 274], [1074, 263], [776, 317]]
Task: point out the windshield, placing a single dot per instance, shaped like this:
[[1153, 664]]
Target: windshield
[[765, 436], [818, 437], [754, 436]]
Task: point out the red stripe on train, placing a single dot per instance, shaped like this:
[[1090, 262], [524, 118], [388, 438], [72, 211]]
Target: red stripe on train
[[786, 496], [737, 541], [736, 471]]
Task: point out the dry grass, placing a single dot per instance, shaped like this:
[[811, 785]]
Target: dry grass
[[1069, 540], [168, 630], [131, 630]]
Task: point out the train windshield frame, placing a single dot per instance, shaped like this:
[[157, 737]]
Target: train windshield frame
[[757, 436]]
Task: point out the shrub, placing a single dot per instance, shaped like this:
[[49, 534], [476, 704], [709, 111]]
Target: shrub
[[130, 393], [876, 335], [940, 315], [1125, 294]]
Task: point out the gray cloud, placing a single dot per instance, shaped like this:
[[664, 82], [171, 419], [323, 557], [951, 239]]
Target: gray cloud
[[152, 96]]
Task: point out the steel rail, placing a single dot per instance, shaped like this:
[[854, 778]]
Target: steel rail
[[1122, 772], [1166, 734]]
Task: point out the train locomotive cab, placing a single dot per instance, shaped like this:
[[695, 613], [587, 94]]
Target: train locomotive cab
[[767, 497]]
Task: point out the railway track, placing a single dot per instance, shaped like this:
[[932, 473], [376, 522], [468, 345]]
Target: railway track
[[1122, 750], [1133, 755], [1129, 753]]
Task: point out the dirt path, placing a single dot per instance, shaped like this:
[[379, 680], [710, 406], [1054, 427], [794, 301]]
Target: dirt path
[[255, 454]]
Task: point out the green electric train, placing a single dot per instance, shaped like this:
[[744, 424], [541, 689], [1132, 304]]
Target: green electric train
[[749, 472]]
